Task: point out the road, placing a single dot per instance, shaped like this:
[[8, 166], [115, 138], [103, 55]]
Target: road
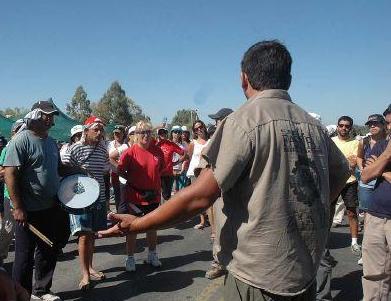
[[185, 254]]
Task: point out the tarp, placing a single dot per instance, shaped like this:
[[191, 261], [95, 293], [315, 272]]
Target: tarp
[[61, 130], [5, 126]]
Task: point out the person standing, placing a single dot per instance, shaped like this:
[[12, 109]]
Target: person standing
[[200, 140], [349, 147], [32, 167], [90, 154], [376, 247], [168, 148], [216, 269], [273, 238], [141, 165]]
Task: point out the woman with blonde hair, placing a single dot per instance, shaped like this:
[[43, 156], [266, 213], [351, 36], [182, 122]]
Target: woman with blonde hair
[[141, 165]]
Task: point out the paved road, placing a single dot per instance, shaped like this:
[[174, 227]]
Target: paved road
[[185, 254]]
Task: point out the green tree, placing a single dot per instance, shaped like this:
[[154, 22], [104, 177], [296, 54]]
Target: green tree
[[80, 107], [185, 117], [14, 113], [116, 107]]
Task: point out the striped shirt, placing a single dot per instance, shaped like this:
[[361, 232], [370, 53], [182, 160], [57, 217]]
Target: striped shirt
[[94, 159]]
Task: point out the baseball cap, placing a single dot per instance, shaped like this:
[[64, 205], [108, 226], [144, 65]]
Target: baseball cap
[[45, 106], [184, 128], [77, 129], [387, 111], [221, 114], [375, 118], [176, 128], [119, 128], [131, 130]]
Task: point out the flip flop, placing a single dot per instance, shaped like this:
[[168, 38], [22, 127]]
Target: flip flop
[[199, 226], [84, 285], [97, 276]]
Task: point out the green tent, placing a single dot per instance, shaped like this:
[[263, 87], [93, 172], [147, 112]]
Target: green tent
[[62, 126], [5, 126]]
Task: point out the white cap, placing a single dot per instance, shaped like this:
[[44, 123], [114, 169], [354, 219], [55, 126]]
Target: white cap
[[77, 129], [131, 130], [176, 128], [184, 128]]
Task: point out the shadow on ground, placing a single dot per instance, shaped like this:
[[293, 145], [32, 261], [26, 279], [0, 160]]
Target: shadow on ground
[[349, 287], [145, 280]]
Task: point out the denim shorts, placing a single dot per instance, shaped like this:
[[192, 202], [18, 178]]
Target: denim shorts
[[92, 221]]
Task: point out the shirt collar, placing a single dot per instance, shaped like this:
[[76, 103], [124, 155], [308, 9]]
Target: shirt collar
[[272, 93]]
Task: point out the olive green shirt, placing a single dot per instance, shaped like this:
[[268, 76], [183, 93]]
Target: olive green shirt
[[272, 162]]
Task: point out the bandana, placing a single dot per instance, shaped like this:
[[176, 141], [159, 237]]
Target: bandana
[[92, 122]]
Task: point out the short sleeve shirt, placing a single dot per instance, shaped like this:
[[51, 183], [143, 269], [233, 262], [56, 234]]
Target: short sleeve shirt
[[348, 148], [37, 159], [143, 169], [169, 148], [2, 157], [272, 161]]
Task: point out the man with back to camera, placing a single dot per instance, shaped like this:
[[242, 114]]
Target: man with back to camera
[[276, 169], [349, 147]]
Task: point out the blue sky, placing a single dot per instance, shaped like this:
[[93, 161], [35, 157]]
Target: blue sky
[[170, 55]]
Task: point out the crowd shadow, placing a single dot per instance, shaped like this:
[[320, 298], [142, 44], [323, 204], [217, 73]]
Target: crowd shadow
[[146, 280], [119, 248], [349, 287], [339, 240]]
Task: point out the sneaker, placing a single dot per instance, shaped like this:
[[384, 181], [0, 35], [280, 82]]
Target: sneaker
[[216, 270], [130, 264], [359, 262], [153, 259], [356, 250], [50, 297], [34, 297]]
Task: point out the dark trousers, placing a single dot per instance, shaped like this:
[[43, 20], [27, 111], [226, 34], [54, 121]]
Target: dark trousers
[[30, 251], [323, 277], [167, 182]]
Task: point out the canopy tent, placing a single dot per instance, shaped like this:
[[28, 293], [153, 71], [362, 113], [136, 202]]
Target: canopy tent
[[5, 126], [61, 130]]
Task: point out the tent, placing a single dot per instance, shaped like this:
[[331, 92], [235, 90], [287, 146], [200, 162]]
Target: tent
[[61, 130], [5, 126]]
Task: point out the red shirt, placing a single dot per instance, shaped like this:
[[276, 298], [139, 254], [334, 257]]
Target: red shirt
[[143, 170], [169, 148]]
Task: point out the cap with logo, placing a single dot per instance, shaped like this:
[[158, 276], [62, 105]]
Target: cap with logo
[[375, 118], [45, 106], [119, 128], [221, 114]]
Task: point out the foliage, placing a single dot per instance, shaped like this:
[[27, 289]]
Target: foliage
[[14, 113], [359, 130], [80, 107], [115, 107], [184, 117]]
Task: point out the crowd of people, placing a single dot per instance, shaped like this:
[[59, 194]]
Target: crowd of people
[[269, 179]]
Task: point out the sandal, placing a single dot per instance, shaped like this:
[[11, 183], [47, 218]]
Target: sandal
[[84, 285], [97, 276], [199, 226]]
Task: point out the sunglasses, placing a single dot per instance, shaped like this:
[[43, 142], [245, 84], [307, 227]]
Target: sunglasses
[[374, 123], [200, 128], [145, 133], [346, 126], [176, 132]]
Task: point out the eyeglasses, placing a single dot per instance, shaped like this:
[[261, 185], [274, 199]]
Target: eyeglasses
[[346, 126], [145, 133], [200, 128]]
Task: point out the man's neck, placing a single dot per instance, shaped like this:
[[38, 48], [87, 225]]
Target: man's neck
[[344, 138], [40, 134]]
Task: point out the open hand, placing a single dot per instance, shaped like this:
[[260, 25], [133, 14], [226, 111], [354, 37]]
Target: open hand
[[370, 160], [122, 226]]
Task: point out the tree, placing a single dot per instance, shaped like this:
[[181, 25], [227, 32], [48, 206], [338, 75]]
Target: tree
[[185, 117], [14, 113], [80, 107], [116, 107]]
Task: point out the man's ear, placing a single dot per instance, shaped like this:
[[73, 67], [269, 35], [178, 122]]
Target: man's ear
[[244, 81]]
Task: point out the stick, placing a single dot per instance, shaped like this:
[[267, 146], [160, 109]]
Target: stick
[[40, 235]]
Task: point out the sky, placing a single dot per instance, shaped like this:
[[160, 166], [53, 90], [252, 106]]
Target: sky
[[170, 55]]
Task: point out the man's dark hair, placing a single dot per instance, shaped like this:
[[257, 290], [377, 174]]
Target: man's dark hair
[[267, 65], [346, 118]]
